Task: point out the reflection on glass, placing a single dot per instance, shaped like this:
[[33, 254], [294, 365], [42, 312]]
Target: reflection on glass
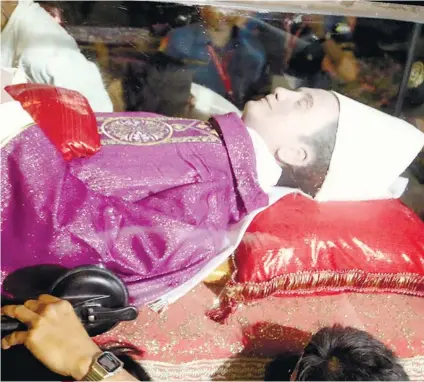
[[242, 55], [180, 178]]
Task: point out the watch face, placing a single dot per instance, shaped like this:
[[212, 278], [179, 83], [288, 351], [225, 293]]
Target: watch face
[[109, 362]]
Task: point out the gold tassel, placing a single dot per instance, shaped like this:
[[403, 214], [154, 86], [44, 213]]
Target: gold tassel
[[220, 275]]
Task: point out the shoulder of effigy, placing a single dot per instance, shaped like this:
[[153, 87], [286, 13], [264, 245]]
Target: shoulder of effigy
[[102, 117], [169, 157], [150, 131]]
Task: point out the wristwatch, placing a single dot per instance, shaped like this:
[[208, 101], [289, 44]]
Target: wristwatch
[[104, 365]]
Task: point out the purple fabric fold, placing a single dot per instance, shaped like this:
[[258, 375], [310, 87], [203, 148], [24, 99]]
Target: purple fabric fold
[[153, 205]]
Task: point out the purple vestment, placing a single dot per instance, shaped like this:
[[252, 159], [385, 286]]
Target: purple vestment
[[153, 205]]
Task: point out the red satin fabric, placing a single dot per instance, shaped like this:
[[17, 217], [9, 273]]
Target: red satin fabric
[[300, 235], [64, 115]]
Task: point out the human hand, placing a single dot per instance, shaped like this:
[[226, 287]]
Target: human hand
[[55, 335]]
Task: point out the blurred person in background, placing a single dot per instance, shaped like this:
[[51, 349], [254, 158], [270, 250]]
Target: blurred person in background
[[158, 84], [34, 42], [226, 57]]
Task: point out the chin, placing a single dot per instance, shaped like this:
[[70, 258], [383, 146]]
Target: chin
[[250, 106], [253, 113]]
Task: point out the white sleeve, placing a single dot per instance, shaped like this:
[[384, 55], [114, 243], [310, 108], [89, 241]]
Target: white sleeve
[[69, 69]]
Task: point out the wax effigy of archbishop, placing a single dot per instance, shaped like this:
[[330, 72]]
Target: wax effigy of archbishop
[[162, 201]]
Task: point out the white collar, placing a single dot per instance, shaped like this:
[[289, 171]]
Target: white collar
[[268, 170]]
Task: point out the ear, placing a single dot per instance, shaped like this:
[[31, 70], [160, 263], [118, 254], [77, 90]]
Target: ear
[[298, 155], [192, 101]]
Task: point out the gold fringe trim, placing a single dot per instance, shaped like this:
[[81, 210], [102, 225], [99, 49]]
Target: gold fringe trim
[[324, 282]]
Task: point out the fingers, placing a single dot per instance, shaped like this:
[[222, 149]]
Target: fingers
[[46, 298], [43, 300], [16, 338], [27, 314], [21, 313], [30, 311], [32, 305]]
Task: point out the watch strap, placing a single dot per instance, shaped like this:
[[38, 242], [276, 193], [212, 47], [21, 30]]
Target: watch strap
[[97, 372]]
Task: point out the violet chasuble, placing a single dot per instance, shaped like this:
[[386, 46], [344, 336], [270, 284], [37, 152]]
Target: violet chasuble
[[153, 205]]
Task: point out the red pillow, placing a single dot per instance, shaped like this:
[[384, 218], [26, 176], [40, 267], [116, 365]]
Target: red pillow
[[301, 247], [64, 115]]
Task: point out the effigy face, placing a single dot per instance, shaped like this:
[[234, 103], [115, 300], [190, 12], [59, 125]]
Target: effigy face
[[239, 52], [156, 152]]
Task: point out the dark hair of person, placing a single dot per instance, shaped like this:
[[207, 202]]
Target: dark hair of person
[[18, 364], [343, 354], [160, 85], [282, 367], [311, 177]]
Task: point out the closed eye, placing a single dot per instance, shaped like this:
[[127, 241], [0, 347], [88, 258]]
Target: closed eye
[[306, 102]]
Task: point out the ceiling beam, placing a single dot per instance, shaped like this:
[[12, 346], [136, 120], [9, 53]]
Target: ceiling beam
[[358, 8]]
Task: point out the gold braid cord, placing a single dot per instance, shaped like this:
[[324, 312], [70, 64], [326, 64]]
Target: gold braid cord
[[309, 283], [240, 369]]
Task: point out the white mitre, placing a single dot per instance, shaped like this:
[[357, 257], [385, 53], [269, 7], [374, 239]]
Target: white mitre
[[372, 149]]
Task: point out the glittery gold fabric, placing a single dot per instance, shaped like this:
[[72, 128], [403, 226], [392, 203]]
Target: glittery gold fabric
[[184, 334], [240, 369]]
